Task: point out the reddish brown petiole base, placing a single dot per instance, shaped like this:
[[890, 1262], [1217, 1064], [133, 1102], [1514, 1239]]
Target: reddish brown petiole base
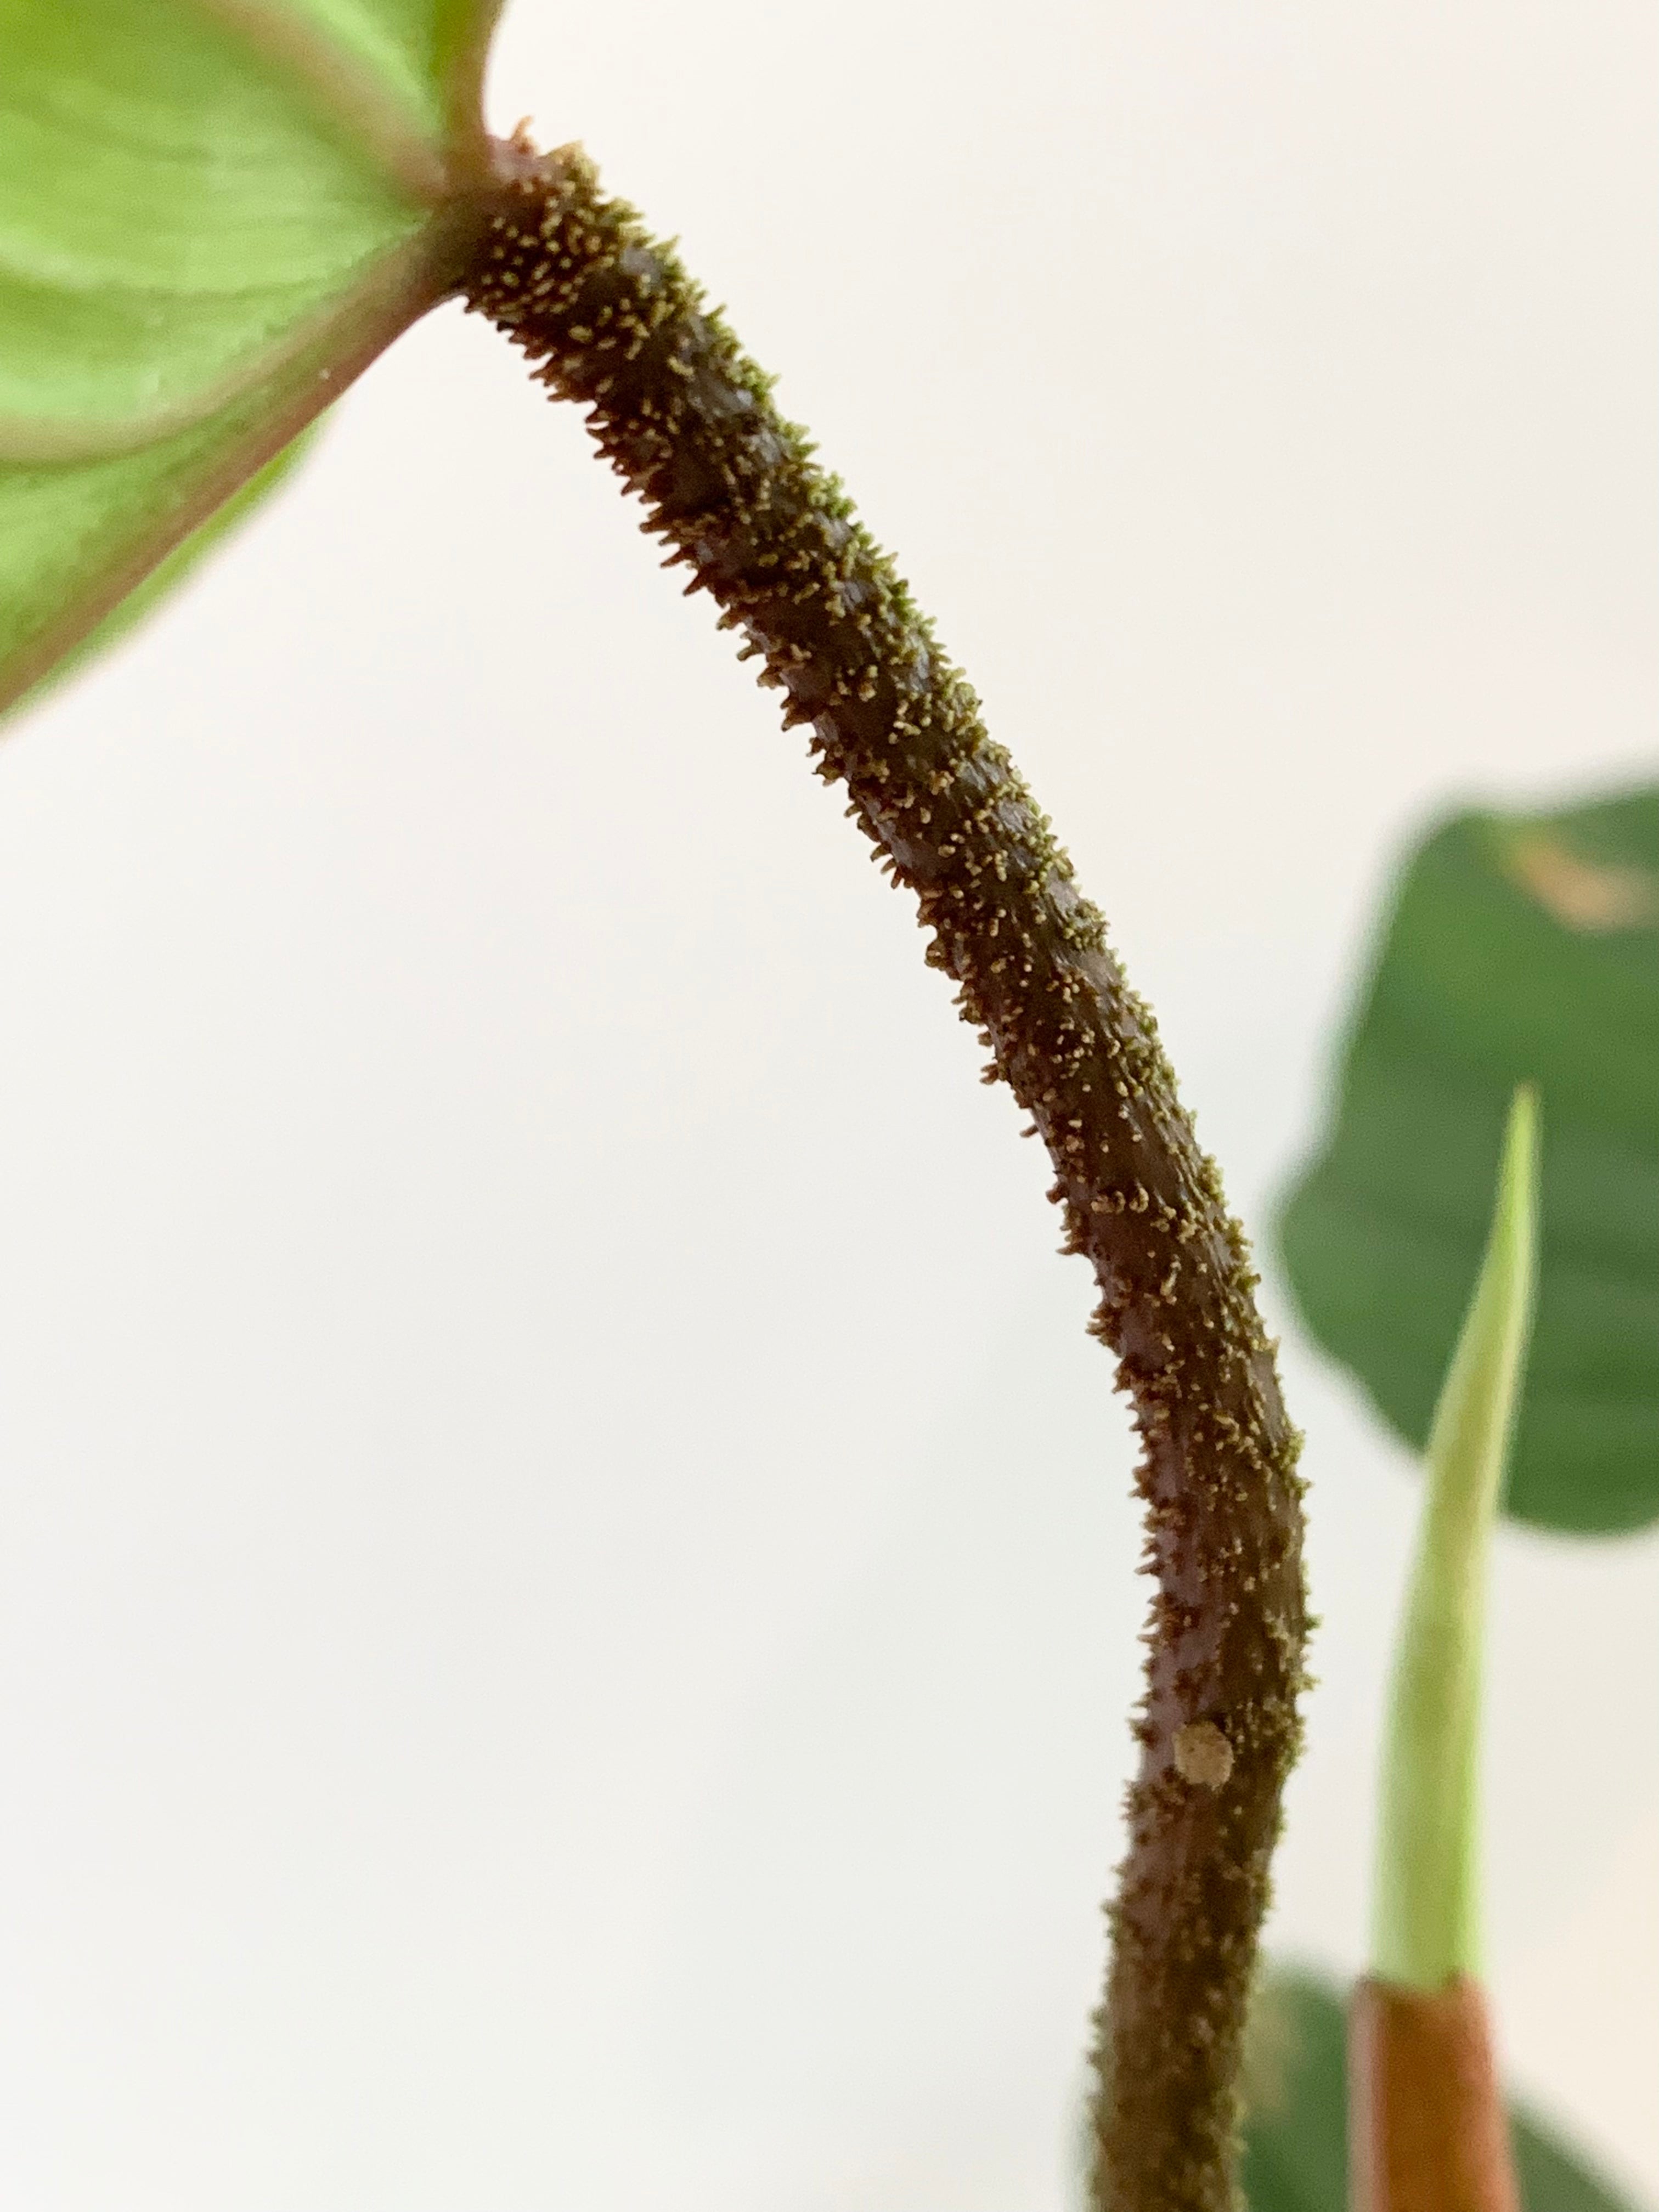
[[1426, 2125]]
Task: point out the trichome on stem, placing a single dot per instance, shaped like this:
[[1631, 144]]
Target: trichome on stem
[[613, 322]]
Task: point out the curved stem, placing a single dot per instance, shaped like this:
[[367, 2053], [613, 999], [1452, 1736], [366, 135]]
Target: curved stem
[[687, 422]]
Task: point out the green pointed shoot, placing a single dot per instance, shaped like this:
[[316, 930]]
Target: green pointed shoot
[[1427, 1929]]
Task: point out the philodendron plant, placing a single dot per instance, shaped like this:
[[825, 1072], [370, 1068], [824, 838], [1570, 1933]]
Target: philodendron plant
[[214, 214], [1516, 949]]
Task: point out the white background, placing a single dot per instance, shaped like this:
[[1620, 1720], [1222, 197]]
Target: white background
[[567, 1594]]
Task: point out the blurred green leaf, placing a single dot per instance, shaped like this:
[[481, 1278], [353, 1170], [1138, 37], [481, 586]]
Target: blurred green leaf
[[213, 214], [1520, 947], [1296, 2133]]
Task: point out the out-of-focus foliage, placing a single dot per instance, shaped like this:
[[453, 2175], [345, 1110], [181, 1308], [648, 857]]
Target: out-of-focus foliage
[[1519, 948], [1296, 2135]]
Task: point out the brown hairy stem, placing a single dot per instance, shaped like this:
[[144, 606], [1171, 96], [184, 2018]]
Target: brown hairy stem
[[688, 423], [1427, 2131]]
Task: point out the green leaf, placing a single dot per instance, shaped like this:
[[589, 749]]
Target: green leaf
[[1296, 2130], [213, 214], [161, 579], [1427, 1911], [1520, 947]]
